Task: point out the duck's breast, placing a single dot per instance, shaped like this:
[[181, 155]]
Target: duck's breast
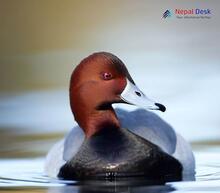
[[122, 153]]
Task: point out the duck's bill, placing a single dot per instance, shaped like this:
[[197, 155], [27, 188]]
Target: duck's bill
[[134, 96]]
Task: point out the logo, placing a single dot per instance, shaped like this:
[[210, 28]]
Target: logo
[[190, 13], [167, 14]]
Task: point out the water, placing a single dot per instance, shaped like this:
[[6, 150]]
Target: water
[[26, 173], [25, 141]]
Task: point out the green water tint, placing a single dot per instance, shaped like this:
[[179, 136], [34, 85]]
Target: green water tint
[[20, 145]]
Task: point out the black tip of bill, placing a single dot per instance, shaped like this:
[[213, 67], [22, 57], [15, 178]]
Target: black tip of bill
[[161, 107]]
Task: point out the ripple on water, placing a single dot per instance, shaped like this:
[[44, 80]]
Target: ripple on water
[[28, 173]]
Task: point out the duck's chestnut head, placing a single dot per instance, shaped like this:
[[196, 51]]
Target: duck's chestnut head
[[100, 80]]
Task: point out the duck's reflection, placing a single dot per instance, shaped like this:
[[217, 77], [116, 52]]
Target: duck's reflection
[[137, 186]]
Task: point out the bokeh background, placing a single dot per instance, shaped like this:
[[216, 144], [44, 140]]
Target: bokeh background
[[174, 61]]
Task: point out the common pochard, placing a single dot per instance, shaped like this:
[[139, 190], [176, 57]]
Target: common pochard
[[112, 142]]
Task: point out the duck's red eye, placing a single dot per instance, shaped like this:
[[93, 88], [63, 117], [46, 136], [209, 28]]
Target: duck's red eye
[[107, 76]]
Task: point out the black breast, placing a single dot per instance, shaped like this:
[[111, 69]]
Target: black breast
[[118, 153]]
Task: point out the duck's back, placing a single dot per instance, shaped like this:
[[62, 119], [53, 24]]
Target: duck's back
[[149, 126], [154, 129], [141, 122]]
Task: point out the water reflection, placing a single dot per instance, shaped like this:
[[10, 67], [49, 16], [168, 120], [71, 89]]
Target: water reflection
[[113, 186]]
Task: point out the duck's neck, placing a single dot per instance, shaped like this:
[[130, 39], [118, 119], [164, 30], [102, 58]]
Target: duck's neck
[[96, 120]]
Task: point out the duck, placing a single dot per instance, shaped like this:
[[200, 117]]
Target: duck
[[111, 142]]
